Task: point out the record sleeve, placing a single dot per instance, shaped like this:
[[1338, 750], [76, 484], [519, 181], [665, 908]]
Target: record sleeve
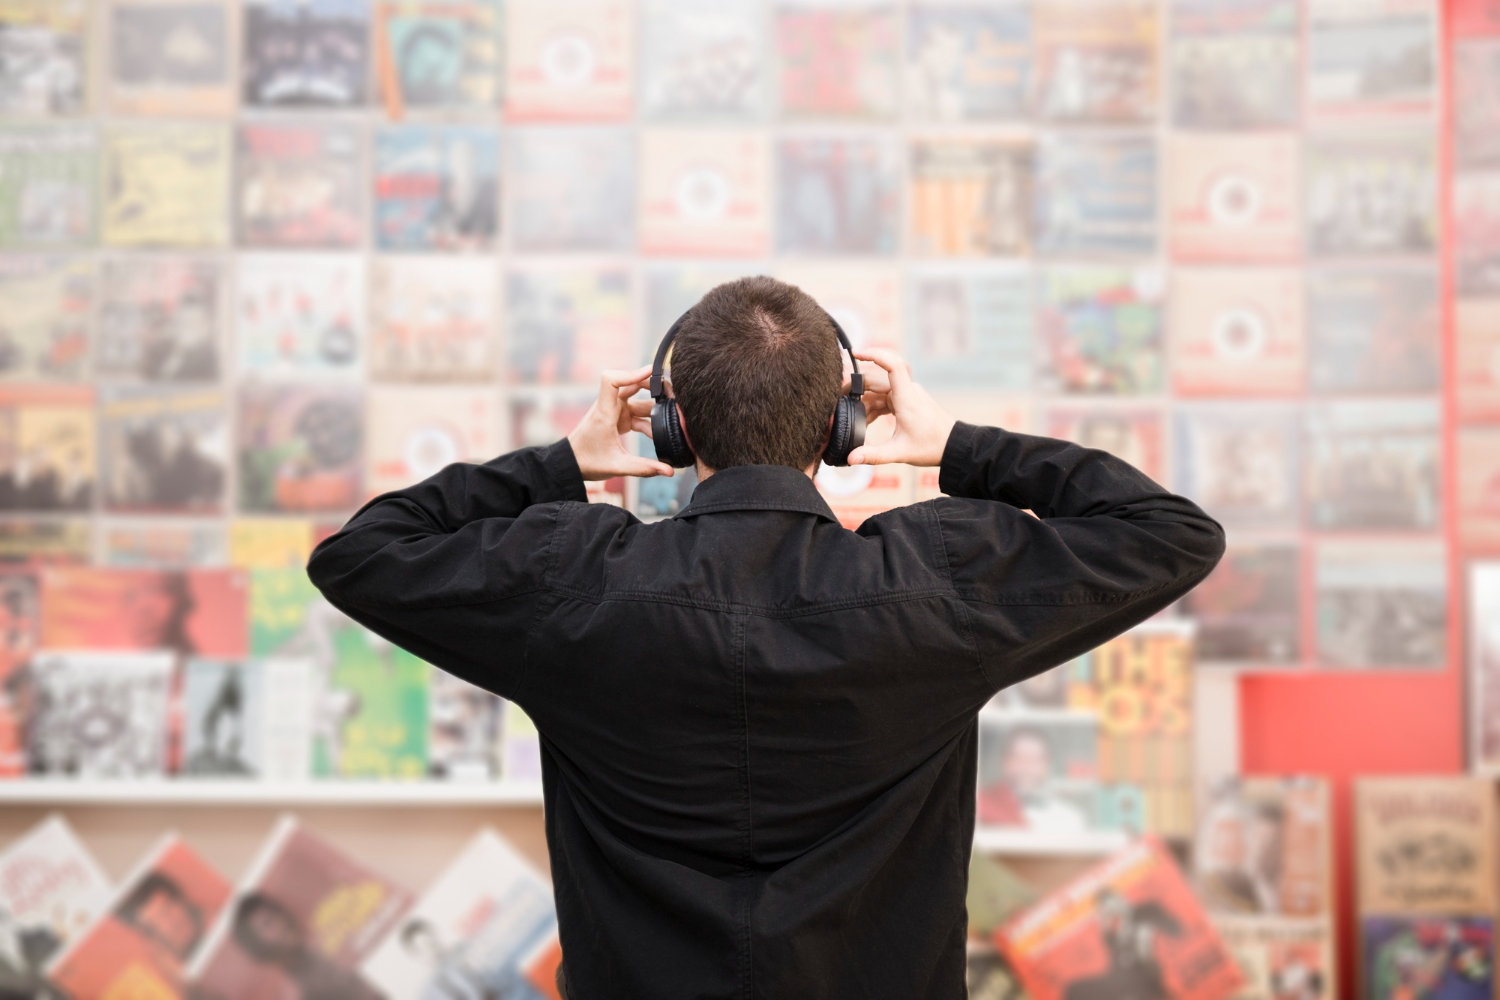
[[857, 493], [971, 197], [1425, 845], [433, 319], [1479, 487], [47, 187], [972, 328], [306, 53], [481, 927], [156, 917], [1128, 926], [865, 300], [269, 543], [837, 60], [969, 62], [245, 719], [1381, 604], [47, 451], [417, 431], [1483, 665], [166, 187], [705, 192], [1130, 432], [1370, 194], [1249, 610], [1281, 959], [1096, 195], [1430, 957], [1371, 58], [44, 541], [574, 189], [1374, 465], [98, 715], [1039, 770], [1101, 331], [1236, 64], [171, 57], [300, 448], [1239, 461], [1476, 233], [839, 195], [1096, 61], [49, 305], [1476, 325], [437, 187], [1374, 331], [1476, 104], [190, 612], [1234, 198], [1263, 848], [567, 323], [301, 315], [438, 55], [703, 59], [51, 888], [299, 186], [463, 729], [570, 60], [164, 452], [157, 543], [44, 57], [1237, 333], [304, 906]]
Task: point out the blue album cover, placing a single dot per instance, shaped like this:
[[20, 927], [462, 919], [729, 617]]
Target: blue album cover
[[1096, 195], [437, 188]]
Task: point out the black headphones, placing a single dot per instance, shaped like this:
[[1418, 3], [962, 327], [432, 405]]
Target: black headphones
[[666, 424]]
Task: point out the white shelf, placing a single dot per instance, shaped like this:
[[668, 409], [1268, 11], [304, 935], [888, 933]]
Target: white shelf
[[1010, 840], [186, 792]]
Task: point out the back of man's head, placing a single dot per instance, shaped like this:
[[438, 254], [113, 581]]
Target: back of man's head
[[756, 371]]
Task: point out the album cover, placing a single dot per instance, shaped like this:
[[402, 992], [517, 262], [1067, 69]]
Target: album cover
[[138, 943], [248, 719], [44, 57], [301, 448], [300, 315], [1038, 770], [298, 186], [567, 323], [1371, 194], [1239, 461], [47, 452], [709, 192], [269, 543], [1381, 604], [1427, 957], [574, 189], [837, 195], [1478, 483], [306, 53], [483, 927], [1263, 848], [1096, 195], [972, 328], [161, 543], [1096, 61], [49, 307], [1484, 665], [1371, 58], [414, 432], [1130, 432], [864, 299], [569, 60], [196, 612], [1249, 609], [1476, 336], [166, 187], [98, 715], [44, 541], [463, 729], [1399, 824], [439, 55], [163, 452], [971, 197], [160, 319], [1374, 331], [433, 319], [1130, 919], [1373, 465], [673, 289], [856, 493], [968, 63], [1236, 64], [703, 59], [437, 187], [837, 61], [1476, 104], [1101, 331], [51, 889], [1237, 333], [303, 918], [1476, 233], [47, 187], [171, 57], [1282, 959], [1234, 198]]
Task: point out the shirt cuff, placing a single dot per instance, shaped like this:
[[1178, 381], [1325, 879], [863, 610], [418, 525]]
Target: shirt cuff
[[958, 460], [564, 478]]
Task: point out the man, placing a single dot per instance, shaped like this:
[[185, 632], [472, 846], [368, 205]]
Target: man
[[758, 728]]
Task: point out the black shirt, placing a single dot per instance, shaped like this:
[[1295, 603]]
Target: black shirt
[[758, 728]]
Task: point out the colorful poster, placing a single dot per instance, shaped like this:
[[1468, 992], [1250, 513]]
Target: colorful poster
[[47, 452], [1428, 957], [301, 315], [1249, 610], [972, 328], [1236, 64], [300, 448], [1096, 195], [49, 308], [47, 188], [1425, 846], [161, 319], [1096, 61], [566, 324], [438, 55], [437, 188], [1101, 331], [1381, 604], [1374, 331], [569, 60], [971, 197], [969, 62], [164, 452], [414, 432], [1370, 195], [1239, 461], [98, 715], [299, 186], [1234, 198], [51, 888], [1373, 465], [306, 53], [705, 192], [703, 59], [574, 189], [197, 612], [1237, 333], [838, 60], [44, 57], [837, 196], [434, 319], [166, 187], [1371, 58], [1130, 432], [171, 57]]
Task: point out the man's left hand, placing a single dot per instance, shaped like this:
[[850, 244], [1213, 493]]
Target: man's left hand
[[597, 440]]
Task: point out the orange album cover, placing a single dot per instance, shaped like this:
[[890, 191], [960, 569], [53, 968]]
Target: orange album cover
[[705, 192], [199, 612], [1234, 197], [568, 60], [1237, 333], [1477, 338]]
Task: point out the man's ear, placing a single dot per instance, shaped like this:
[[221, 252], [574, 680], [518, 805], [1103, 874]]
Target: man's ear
[[682, 422]]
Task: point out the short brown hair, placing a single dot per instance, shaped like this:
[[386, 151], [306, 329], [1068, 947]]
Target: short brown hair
[[756, 370]]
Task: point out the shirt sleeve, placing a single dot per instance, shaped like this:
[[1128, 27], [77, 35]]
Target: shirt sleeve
[[452, 568], [1106, 549]]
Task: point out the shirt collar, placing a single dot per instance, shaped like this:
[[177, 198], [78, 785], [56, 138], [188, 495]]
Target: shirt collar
[[757, 487]]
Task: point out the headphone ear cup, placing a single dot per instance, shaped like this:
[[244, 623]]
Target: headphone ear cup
[[666, 435], [848, 430]]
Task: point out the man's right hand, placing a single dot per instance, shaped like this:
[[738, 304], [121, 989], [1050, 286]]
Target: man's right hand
[[922, 426]]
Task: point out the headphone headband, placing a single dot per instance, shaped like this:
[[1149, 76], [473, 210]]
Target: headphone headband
[[658, 365]]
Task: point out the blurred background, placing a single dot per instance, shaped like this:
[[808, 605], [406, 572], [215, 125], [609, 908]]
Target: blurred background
[[261, 260]]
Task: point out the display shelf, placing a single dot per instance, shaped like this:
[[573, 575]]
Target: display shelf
[[1009, 840], [257, 793]]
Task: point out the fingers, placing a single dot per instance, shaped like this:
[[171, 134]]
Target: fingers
[[876, 454], [893, 363], [641, 426], [644, 468], [641, 407], [614, 382]]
